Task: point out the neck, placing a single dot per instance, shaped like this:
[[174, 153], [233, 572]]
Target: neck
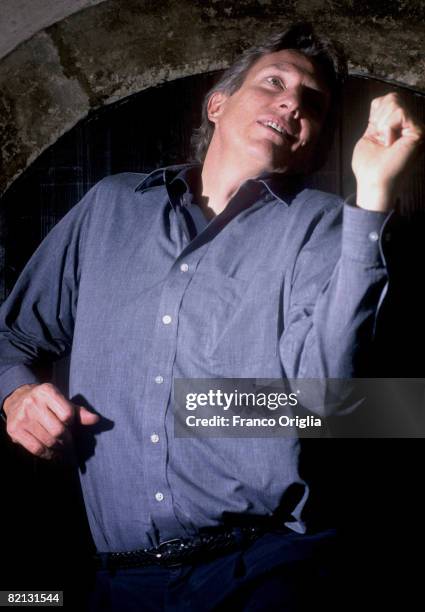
[[221, 179]]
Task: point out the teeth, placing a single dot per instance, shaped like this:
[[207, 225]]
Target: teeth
[[275, 126]]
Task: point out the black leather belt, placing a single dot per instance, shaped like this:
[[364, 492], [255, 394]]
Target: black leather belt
[[176, 552]]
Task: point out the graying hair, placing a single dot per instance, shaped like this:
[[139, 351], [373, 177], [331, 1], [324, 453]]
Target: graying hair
[[327, 56]]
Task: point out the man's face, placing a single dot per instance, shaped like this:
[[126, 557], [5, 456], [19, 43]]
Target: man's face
[[274, 119]]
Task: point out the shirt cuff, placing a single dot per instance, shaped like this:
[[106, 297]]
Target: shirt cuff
[[363, 234], [15, 377]]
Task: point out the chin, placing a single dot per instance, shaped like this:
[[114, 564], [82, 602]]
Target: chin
[[272, 155], [263, 158]]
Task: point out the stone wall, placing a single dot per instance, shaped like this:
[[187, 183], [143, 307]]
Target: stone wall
[[21, 19], [115, 48]]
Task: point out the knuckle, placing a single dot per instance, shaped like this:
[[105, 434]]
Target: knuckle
[[28, 402], [26, 414], [392, 97], [12, 430], [36, 448], [68, 413], [28, 407], [15, 425], [20, 420], [58, 430], [399, 102], [391, 101], [45, 388]]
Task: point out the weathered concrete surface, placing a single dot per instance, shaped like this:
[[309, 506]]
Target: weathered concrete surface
[[118, 47], [21, 19], [37, 102]]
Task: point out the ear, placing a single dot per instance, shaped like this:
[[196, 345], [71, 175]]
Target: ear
[[215, 105]]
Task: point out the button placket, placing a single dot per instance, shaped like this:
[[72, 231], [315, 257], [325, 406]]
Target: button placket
[[157, 397]]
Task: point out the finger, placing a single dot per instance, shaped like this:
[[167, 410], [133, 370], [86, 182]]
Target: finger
[[376, 134], [387, 131], [414, 131], [382, 107], [390, 133], [86, 417], [31, 444], [48, 419], [386, 128], [391, 118], [41, 434], [62, 408]]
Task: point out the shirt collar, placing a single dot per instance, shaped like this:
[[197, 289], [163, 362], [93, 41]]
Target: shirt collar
[[283, 188], [164, 176], [280, 187]]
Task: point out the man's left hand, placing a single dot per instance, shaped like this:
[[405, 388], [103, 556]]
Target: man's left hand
[[382, 156]]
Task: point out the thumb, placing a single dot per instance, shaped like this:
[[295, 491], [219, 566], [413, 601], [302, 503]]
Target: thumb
[[85, 417]]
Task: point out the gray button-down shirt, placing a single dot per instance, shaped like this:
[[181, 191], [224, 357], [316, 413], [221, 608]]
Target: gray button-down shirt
[[140, 289]]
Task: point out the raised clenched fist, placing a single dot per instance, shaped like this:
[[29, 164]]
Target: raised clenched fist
[[382, 157]]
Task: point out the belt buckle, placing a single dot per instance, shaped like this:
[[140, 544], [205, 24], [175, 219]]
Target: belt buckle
[[163, 556], [168, 542]]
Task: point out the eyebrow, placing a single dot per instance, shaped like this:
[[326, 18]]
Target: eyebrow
[[284, 67]]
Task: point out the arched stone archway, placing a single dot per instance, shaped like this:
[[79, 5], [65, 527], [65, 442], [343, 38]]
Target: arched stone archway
[[108, 52], [114, 48], [21, 19]]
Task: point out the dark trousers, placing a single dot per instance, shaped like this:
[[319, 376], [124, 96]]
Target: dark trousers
[[287, 572]]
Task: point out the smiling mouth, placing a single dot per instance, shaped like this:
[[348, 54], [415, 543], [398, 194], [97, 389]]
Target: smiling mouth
[[278, 129]]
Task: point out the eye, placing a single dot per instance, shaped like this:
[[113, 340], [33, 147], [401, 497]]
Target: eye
[[276, 82]]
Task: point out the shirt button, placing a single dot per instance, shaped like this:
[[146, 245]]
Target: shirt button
[[159, 380], [374, 236], [154, 438], [159, 496], [184, 267], [166, 319]]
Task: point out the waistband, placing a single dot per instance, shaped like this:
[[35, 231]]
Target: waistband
[[181, 551]]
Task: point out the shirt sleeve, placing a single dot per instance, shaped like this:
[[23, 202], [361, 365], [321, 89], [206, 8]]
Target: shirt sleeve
[[338, 283], [37, 319]]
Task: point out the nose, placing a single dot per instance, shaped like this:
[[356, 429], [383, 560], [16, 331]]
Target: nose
[[291, 99]]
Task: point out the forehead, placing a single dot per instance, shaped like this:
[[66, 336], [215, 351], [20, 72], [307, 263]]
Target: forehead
[[291, 62]]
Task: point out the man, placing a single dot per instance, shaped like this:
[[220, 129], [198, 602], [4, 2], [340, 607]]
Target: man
[[231, 269]]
